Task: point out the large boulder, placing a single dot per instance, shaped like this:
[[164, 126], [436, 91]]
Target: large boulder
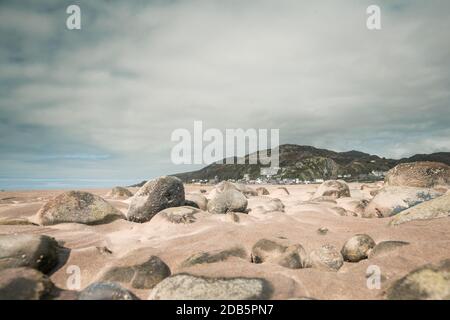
[[106, 291], [292, 256], [327, 258], [390, 201], [190, 287], [422, 174], [154, 196], [433, 209], [357, 248], [24, 284], [228, 201], [429, 282], [119, 193], [28, 250], [137, 270], [78, 207], [333, 188]]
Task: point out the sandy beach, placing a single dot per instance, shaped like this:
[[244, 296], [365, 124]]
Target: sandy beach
[[429, 241]]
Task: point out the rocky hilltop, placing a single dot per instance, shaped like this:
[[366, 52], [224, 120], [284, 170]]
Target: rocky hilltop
[[309, 163]]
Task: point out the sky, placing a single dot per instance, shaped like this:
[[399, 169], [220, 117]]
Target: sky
[[100, 103]]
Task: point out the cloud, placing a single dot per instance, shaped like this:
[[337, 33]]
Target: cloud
[[138, 70]]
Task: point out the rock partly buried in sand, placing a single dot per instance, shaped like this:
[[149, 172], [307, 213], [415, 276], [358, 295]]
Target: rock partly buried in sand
[[433, 209], [292, 257], [326, 257], [333, 188], [429, 282], [24, 284], [28, 250], [190, 287], [177, 215], [106, 291], [280, 192], [154, 196], [143, 275], [10, 221], [226, 201], [214, 256], [199, 200], [261, 191], [119, 193], [419, 174], [386, 247], [390, 201], [226, 185], [357, 248], [271, 205], [77, 207]]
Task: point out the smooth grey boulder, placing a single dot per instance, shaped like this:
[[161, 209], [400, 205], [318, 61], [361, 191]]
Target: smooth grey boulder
[[154, 196], [228, 201], [78, 207], [190, 287], [106, 291], [39, 252]]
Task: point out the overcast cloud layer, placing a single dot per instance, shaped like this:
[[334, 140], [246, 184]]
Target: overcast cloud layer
[[101, 102]]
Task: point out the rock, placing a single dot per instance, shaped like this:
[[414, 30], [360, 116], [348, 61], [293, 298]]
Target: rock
[[261, 191], [280, 192], [119, 193], [77, 207], [15, 221], [333, 188], [390, 201], [190, 287], [292, 257], [386, 247], [233, 217], [429, 282], [142, 275], [28, 250], [203, 191], [24, 284], [356, 206], [155, 196], [177, 215], [422, 174], [357, 248], [226, 185], [271, 205], [343, 213], [322, 231], [106, 291], [246, 190], [226, 201], [215, 256], [326, 257], [433, 209], [199, 200]]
